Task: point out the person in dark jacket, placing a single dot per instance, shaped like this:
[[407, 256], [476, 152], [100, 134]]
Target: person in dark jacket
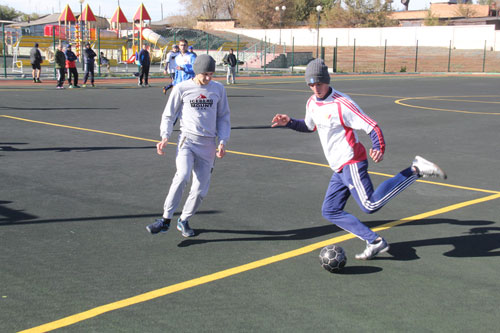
[[36, 61], [231, 62], [88, 58], [60, 61], [144, 62], [71, 66]]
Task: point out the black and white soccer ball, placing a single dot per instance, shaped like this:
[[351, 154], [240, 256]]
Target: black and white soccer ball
[[332, 258]]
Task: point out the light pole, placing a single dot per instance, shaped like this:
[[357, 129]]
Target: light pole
[[318, 10], [278, 9]]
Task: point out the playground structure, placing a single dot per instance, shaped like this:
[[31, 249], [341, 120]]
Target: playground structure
[[117, 46]]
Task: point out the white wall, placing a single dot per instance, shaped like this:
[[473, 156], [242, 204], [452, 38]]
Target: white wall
[[461, 37]]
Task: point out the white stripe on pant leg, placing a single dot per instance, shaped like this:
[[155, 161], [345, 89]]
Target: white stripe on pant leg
[[382, 201]]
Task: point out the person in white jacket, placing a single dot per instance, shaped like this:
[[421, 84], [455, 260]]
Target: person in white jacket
[[336, 118], [203, 110]]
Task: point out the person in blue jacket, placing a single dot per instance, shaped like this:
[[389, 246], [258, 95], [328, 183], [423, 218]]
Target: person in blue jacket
[[88, 58], [144, 63], [184, 69]]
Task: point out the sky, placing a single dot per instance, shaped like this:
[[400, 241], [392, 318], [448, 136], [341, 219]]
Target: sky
[[107, 8]]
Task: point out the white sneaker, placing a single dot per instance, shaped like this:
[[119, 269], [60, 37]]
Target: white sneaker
[[426, 168], [373, 249]]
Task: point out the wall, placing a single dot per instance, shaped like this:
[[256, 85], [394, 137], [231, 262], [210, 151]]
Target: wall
[[461, 37]]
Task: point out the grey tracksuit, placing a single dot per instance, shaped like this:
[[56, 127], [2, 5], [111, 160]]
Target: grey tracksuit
[[204, 115]]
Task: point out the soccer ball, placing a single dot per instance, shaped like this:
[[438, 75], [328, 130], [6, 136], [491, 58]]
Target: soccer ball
[[332, 258]]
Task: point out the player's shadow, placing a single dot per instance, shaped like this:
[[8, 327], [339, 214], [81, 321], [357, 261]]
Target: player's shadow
[[69, 149], [10, 216], [358, 270], [479, 241]]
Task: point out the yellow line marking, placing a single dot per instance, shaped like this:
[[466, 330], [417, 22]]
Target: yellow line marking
[[240, 153], [306, 90], [433, 98], [463, 101], [82, 129], [236, 270]]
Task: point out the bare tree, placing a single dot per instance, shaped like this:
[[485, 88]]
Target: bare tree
[[208, 9]]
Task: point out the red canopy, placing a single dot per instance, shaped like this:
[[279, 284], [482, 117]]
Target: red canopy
[[87, 15], [141, 14], [118, 16], [67, 15]]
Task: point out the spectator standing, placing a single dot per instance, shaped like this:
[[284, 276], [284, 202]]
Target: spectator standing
[[144, 63], [89, 59], [231, 66], [71, 67], [60, 61], [36, 62]]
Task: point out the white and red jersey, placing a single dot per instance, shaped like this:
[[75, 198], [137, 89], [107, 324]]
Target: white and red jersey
[[336, 118]]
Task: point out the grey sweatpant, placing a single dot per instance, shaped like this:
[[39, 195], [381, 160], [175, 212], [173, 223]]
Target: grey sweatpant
[[195, 154]]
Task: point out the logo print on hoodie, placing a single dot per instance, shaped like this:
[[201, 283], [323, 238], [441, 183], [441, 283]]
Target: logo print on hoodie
[[202, 102]]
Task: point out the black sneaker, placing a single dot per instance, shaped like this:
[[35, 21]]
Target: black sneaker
[[183, 227], [38, 81], [160, 225]]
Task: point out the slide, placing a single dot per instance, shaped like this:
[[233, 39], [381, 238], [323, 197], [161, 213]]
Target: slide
[[154, 38]]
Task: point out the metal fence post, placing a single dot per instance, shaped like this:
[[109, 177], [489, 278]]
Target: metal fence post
[[54, 46], [385, 54], [484, 56], [416, 57], [237, 54], [265, 54], [293, 52], [99, 51], [449, 57], [4, 51], [354, 57], [335, 55]]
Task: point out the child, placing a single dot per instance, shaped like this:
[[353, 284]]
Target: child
[[202, 107]]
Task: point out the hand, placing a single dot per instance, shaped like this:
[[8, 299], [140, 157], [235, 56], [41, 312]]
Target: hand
[[221, 151], [376, 155], [280, 120], [160, 145]]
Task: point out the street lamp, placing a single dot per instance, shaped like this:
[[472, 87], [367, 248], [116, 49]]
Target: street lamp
[[318, 10], [278, 9]]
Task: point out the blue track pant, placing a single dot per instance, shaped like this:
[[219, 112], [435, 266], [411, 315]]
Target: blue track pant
[[354, 179]]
